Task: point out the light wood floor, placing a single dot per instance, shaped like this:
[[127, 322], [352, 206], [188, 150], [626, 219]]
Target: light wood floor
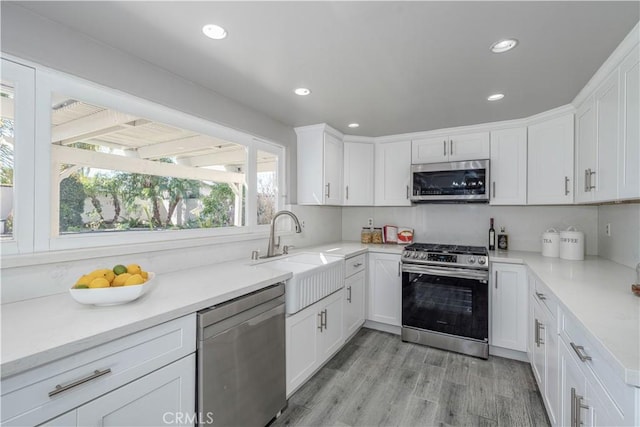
[[377, 379]]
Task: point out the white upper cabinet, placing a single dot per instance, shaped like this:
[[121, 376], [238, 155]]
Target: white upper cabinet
[[393, 171], [550, 162], [585, 150], [607, 103], [358, 174], [629, 148], [472, 146], [320, 162], [597, 134], [508, 167]]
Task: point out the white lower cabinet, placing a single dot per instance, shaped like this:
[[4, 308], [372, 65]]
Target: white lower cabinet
[[163, 397], [509, 306], [385, 289], [313, 335], [354, 303], [99, 382], [543, 352], [574, 375]]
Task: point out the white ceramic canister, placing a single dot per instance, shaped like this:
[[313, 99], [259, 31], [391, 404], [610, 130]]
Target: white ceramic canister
[[551, 243], [572, 244]]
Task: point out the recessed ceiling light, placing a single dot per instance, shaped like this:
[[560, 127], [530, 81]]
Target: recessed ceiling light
[[495, 97], [215, 32], [503, 45], [353, 125], [302, 91]]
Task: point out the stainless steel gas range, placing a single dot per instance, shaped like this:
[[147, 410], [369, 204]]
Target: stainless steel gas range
[[445, 297]]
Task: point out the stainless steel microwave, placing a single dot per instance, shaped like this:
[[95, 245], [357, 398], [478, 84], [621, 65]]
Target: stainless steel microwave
[[461, 182]]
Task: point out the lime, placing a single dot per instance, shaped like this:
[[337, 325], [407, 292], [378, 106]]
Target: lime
[[119, 269], [81, 287]]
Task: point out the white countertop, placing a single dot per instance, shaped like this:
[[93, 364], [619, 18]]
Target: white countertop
[[40, 330], [598, 293], [349, 249]]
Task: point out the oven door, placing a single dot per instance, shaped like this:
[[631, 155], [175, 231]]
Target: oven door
[[446, 300]]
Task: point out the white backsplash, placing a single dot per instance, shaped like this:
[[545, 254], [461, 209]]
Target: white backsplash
[[623, 246], [469, 223]]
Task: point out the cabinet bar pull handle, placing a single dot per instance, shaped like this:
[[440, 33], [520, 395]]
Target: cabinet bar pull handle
[[591, 186], [493, 189], [356, 265], [541, 296], [451, 147], [349, 294], [444, 146], [578, 406], [582, 355], [325, 318], [96, 374], [496, 281], [573, 407], [321, 324], [347, 191], [566, 185], [399, 268], [328, 190], [536, 333], [587, 175]]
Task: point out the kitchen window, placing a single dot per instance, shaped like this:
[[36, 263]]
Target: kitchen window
[[117, 172], [114, 169]]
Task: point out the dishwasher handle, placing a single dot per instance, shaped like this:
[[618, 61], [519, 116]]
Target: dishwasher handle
[[228, 309]]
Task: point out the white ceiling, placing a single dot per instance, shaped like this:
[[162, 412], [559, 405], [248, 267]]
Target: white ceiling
[[393, 67]]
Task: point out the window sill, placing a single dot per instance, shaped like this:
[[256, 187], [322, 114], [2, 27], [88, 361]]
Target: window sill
[[52, 257]]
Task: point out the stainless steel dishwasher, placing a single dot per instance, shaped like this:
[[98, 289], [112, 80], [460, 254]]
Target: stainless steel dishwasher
[[241, 360]]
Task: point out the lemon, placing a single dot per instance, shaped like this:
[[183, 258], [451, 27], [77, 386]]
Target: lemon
[[109, 275], [84, 280], [99, 282], [120, 279], [102, 272], [134, 269], [144, 274], [119, 269], [135, 279]]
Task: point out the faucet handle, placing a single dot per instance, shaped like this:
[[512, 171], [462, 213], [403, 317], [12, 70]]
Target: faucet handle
[[285, 249], [255, 255]]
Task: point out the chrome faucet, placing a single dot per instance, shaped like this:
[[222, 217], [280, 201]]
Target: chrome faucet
[[271, 250]]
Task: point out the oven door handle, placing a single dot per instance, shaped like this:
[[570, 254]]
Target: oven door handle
[[447, 272]]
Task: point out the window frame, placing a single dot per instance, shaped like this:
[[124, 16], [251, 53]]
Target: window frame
[[45, 239], [23, 79]]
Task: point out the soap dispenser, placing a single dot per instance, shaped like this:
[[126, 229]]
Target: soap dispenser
[[503, 240]]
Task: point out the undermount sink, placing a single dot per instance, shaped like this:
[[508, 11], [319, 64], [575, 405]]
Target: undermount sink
[[315, 275]]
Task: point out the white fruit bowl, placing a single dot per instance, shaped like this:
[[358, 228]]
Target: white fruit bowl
[[113, 295]]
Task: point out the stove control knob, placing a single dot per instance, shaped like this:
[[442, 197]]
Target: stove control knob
[[471, 260], [482, 261], [415, 255], [423, 256], [406, 254]]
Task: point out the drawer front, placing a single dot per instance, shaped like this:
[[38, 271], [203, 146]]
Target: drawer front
[[355, 264], [27, 398], [545, 297], [600, 365]]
